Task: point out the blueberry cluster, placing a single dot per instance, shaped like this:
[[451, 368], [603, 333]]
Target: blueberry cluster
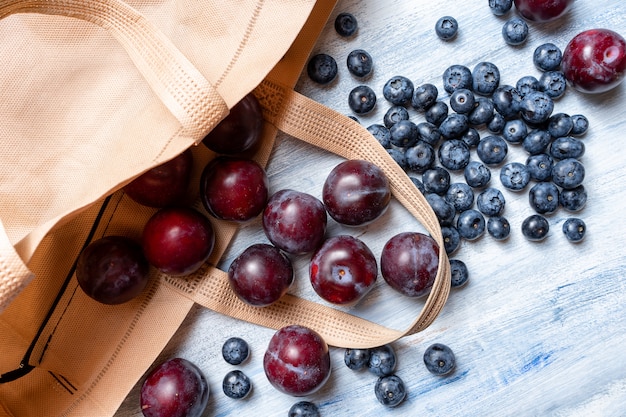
[[236, 384]]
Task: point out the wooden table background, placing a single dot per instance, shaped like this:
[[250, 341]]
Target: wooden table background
[[540, 329]]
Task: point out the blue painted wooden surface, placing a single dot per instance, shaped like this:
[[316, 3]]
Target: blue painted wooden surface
[[540, 329]]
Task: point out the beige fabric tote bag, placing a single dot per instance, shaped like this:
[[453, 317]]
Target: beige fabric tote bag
[[96, 92]]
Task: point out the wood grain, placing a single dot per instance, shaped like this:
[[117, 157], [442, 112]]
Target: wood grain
[[540, 328]]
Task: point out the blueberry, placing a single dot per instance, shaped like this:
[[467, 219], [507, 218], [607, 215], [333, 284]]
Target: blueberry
[[456, 76], [536, 141], [322, 68], [436, 113], [544, 197], [390, 390], [446, 28], [418, 184], [444, 211], [394, 114], [398, 90], [482, 113], [567, 147], [559, 125], [398, 156], [506, 101], [461, 196], [451, 239], [581, 124], [303, 409], [535, 227], [356, 359], [459, 273], [498, 227], [454, 154], [574, 229], [436, 180], [568, 173], [403, 134], [382, 360], [235, 350], [424, 96], [491, 202], [462, 100], [553, 83], [500, 7], [492, 150], [515, 131], [471, 137], [540, 167], [362, 99], [454, 125], [360, 63], [439, 359], [485, 78], [419, 157], [429, 133], [470, 224], [514, 176], [381, 133], [477, 174], [496, 124], [536, 107], [526, 85], [515, 31], [573, 199], [236, 384], [346, 24], [547, 57]]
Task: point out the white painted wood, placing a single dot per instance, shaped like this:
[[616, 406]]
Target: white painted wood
[[539, 330]]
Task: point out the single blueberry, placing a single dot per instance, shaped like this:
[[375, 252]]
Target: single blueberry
[[236, 384], [482, 113], [477, 174], [403, 134], [536, 107], [491, 202], [454, 154], [322, 68], [498, 227], [454, 125], [574, 229], [456, 76], [471, 137], [429, 133], [460, 195], [462, 100], [346, 24], [536, 141], [436, 180], [553, 83], [547, 57], [500, 7], [470, 224], [356, 359], [526, 85], [506, 101], [303, 409], [573, 199], [382, 360], [424, 96], [496, 124], [540, 167], [436, 113], [381, 133], [485, 78], [535, 227], [544, 197], [580, 124], [394, 114], [514, 131], [390, 390], [398, 90], [567, 147], [568, 173], [459, 273], [515, 31], [353, 118], [398, 156], [362, 99], [418, 184], [492, 149], [559, 125], [235, 350], [451, 239], [514, 176], [443, 210], [446, 28], [439, 359], [360, 63], [419, 157]]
